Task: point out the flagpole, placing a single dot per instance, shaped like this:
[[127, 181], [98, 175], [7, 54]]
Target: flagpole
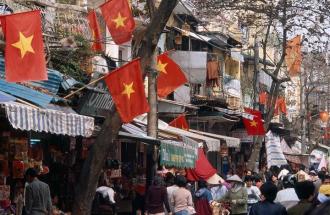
[[84, 87]]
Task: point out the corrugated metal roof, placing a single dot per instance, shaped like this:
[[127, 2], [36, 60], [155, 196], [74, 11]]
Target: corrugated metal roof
[[55, 78], [4, 97], [25, 93]]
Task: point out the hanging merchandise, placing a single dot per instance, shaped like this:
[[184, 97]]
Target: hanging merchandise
[[185, 29], [18, 169], [212, 75]]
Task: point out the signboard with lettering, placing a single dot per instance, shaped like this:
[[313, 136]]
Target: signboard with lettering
[[96, 103], [242, 135], [178, 154]]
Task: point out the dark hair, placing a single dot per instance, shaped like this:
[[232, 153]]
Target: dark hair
[[169, 179], [248, 178], [322, 209], [304, 189], [202, 184], [289, 181], [158, 181], [257, 178], [269, 191], [181, 181], [31, 172], [321, 175]]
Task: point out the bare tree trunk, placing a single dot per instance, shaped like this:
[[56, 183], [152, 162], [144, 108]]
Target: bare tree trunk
[[95, 161], [152, 116], [93, 165], [274, 90]]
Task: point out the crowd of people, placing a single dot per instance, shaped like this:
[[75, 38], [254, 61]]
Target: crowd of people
[[283, 193]]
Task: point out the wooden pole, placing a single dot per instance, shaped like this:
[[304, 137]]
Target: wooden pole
[[84, 87]]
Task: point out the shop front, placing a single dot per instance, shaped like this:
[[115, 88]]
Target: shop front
[[44, 139]]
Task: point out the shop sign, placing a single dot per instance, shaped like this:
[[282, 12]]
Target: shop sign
[[242, 135], [178, 154], [96, 103]]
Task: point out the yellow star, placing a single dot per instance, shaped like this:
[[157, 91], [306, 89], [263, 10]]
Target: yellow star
[[161, 67], [253, 123], [128, 90], [119, 21], [24, 44]]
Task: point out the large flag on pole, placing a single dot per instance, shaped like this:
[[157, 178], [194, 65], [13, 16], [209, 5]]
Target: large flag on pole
[[170, 75], [24, 51], [127, 90], [119, 19], [254, 126]]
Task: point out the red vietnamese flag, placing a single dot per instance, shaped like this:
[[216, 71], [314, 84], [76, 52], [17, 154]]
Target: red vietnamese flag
[[119, 19], [95, 29], [170, 75], [24, 52], [254, 126], [180, 122], [127, 90]]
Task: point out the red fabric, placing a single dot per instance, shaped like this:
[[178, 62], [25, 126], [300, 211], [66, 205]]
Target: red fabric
[[121, 32], [95, 29], [255, 126], [280, 106], [170, 75], [127, 90], [263, 98], [180, 122], [203, 168], [202, 207], [24, 51]]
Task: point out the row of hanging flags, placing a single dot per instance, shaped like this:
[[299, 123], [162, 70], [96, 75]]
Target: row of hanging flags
[[25, 58], [25, 61]]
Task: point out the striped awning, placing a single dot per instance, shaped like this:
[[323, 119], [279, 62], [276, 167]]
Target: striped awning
[[27, 118]]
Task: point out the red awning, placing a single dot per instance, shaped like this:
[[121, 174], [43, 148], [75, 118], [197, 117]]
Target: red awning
[[203, 168]]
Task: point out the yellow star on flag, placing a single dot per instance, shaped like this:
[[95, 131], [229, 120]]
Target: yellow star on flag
[[253, 123], [128, 90], [161, 67], [24, 44], [120, 20]]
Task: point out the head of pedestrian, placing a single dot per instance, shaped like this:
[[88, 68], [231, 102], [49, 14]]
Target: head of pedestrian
[[268, 191], [326, 179], [248, 180], [305, 190], [258, 182], [31, 174], [158, 181], [289, 181], [181, 181], [202, 184]]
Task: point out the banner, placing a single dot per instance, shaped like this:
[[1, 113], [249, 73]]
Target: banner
[[275, 156], [179, 154]]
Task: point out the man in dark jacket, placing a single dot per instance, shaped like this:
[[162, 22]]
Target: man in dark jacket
[[37, 195], [267, 206], [305, 191], [157, 197]]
